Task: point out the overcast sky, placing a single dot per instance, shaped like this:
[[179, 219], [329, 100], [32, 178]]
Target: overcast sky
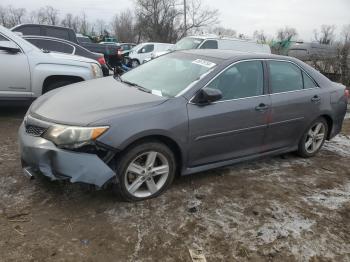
[[242, 15]]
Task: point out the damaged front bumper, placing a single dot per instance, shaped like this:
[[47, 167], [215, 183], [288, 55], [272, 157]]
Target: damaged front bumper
[[43, 156]]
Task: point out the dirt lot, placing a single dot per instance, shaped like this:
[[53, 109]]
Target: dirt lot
[[275, 209]]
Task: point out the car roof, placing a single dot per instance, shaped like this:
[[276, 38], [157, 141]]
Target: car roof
[[230, 54], [41, 25], [49, 38]]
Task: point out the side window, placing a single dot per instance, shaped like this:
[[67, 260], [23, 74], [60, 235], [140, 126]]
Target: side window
[[58, 33], [308, 82], [210, 44], [29, 30], [55, 46], [149, 48], [245, 79], [284, 77]]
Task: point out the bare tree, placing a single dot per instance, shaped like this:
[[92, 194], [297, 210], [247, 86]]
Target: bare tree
[[199, 16], [101, 27], [163, 20], [326, 35], [52, 15], [15, 16], [123, 26], [222, 31], [4, 16], [260, 36], [345, 55], [84, 24], [286, 34]]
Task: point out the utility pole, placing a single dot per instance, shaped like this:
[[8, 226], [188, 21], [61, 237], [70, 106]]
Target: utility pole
[[185, 17]]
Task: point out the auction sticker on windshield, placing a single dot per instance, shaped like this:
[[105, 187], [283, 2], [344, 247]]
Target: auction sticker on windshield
[[204, 63]]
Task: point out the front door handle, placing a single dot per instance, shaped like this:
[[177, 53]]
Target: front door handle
[[316, 99], [261, 107]]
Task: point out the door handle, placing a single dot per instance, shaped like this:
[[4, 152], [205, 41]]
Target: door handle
[[316, 99], [262, 107]]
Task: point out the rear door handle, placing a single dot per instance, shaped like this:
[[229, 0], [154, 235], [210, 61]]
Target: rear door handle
[[316, 99], [262, 107]]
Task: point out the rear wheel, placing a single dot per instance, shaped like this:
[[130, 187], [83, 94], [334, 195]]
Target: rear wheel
[[135, 63], [314, 138], [145, 171]]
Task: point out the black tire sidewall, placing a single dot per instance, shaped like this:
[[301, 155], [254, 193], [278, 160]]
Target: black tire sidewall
[[124, 160], [57, 84], [301, 148]]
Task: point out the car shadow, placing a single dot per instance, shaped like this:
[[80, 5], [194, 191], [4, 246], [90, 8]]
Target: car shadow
[[14, 112]]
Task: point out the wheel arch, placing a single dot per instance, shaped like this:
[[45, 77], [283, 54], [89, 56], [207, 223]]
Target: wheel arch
[[168, 141], [54, 78], [329, 121]]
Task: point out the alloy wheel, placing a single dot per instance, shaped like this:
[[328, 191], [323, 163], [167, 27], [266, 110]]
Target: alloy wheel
[[315, 137], [146, 174]]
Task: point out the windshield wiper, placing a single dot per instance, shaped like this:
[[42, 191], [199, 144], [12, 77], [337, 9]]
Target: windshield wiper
[[135, 85]]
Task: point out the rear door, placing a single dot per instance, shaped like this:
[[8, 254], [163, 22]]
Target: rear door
[[295, 102], [14, 72], [235, 126]]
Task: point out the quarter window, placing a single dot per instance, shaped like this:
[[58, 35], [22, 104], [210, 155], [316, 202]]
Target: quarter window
[[210, 44], [308, 82], [284, 77], [245, 79]]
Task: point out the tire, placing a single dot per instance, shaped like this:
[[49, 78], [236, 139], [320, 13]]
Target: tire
[[305, 149], [144, 183], [57, 84], [135, 63]]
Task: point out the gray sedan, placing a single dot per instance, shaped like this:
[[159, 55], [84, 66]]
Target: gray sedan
[[184, 112]]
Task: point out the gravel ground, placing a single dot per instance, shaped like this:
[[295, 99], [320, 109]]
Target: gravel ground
[[274, 209]]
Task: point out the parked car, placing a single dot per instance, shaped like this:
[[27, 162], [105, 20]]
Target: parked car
[[26, 72], [140, 53], [112, 53], [215, 42], [64, 46], [126, 48], [203, 109], [224, 43]]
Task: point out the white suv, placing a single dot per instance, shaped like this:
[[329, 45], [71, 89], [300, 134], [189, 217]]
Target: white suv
[[143, 52], [26, 72]]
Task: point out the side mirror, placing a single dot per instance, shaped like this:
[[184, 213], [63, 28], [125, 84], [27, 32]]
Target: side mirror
[[207, 95], [9, 47]]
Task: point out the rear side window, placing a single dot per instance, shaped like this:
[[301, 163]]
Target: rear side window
[[29, 30], [210, 44], [245, 79], [308, 82], [284, 77], [54, 46], [58, 33]]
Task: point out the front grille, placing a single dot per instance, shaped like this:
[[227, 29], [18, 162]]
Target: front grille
[[35, 130]]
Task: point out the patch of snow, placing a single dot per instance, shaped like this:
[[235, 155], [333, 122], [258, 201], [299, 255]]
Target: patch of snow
[[339, 145], [284, 224], [331, 198], [347, 116]]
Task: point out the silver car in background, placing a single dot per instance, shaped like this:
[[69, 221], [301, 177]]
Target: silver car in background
[[203, 109]]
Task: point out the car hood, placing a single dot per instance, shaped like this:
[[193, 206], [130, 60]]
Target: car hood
[[62, 56], [86, 102]]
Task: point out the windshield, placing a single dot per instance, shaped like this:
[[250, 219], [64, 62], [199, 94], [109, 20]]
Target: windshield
[[170, 74], [188, 43]]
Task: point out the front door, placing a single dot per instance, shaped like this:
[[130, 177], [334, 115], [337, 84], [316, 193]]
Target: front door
[[235, 126], [14, 72]]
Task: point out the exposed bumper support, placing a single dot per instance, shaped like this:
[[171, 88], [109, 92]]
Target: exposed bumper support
[[42, 155]]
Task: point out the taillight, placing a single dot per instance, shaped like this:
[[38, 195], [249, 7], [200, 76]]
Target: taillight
[[346, 93], [101, 60], [119, 53]]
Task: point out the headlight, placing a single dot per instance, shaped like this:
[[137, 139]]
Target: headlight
[[73, 137], [96, 71]]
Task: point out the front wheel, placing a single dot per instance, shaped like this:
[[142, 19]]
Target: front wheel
[[314, 138], [135, 63], [145, 171]]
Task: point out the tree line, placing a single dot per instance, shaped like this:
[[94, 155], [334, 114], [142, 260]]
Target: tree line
[[163, 21]]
